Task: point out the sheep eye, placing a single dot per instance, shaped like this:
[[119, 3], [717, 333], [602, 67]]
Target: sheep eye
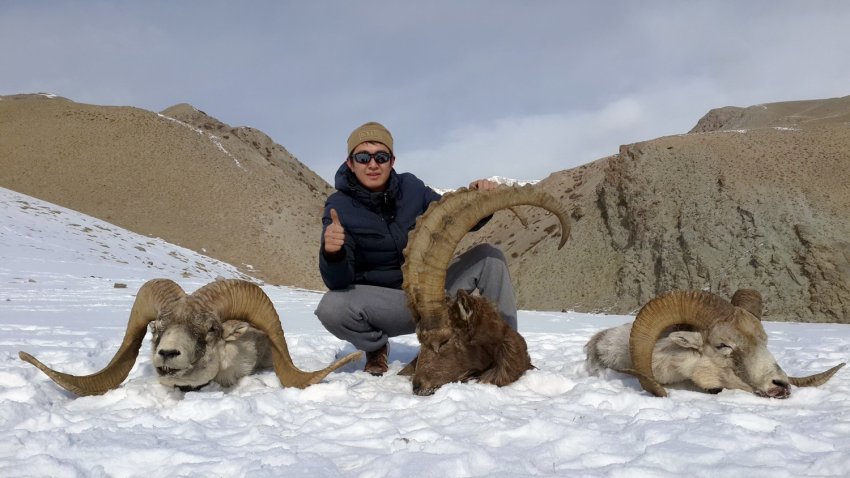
[[722, 347]]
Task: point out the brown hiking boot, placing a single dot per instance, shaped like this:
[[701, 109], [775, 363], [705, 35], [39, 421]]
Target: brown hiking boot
[[376, 362]]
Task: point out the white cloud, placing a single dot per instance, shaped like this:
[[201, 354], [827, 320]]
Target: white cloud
[[534, 146], [528, 89]]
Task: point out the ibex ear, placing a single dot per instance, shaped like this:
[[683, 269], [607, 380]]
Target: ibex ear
[[463, 310], [463, 301]]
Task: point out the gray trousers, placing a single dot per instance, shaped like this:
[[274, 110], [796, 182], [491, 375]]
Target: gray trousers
[[367, 316]]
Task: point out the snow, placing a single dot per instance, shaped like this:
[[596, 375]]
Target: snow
[[58, 301]]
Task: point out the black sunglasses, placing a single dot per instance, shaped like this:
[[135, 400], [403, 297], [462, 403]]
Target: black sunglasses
[[363, 157]]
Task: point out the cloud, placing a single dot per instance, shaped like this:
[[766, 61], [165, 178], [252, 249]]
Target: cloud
[[534, 146], [526, 90]]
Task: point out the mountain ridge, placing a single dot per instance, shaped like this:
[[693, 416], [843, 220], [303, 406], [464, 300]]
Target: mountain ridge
[[231, 193], [757, 199], [751, 197]]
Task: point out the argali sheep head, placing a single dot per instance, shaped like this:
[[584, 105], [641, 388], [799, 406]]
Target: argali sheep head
[[191, 335], [452, 347], [731, 332]]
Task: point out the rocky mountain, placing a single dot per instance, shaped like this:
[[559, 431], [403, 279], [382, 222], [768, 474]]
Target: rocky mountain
[[752, 197], [231, 193]]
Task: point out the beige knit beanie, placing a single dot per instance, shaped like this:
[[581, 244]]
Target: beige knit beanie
[[370, 131]]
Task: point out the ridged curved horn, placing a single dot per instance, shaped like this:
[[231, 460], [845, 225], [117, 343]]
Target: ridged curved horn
[[749, 300], [817, 379], [431, 244], [694, 308], [153, 297], [234, 299]]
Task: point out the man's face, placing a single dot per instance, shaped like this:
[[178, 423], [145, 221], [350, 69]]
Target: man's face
[[372, 176]]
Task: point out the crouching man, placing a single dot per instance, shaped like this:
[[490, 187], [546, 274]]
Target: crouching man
[[365, 227]]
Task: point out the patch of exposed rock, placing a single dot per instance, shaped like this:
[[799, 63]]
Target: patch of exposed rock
[[761, 201]]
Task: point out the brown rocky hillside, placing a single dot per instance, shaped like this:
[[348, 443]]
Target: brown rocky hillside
[[229, 192], [751, 197]]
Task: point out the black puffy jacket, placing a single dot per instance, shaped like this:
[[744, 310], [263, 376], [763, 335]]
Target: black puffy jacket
[[376, 226]]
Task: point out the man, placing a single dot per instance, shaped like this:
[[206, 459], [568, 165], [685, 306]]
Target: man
[[365, 227]]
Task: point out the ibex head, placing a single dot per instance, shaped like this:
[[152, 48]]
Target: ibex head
[[463, 337]]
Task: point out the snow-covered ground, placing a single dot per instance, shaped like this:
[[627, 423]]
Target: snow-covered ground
[[58, 301]]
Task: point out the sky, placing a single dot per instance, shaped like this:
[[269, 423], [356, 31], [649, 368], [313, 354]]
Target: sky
[[469, 89], [58, 301]]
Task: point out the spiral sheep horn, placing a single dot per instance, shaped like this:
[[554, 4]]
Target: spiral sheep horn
[[241, 300], [749, 300], [817, 379], [154, 296]]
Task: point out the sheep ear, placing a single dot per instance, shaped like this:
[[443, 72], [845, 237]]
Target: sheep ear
[[687, 340], [233, 329]]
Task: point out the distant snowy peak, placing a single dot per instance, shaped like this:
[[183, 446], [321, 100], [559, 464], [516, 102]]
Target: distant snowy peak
[[498, 179], [513, 182]]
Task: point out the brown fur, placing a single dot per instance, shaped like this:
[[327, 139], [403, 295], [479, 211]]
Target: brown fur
[[475, 343]]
